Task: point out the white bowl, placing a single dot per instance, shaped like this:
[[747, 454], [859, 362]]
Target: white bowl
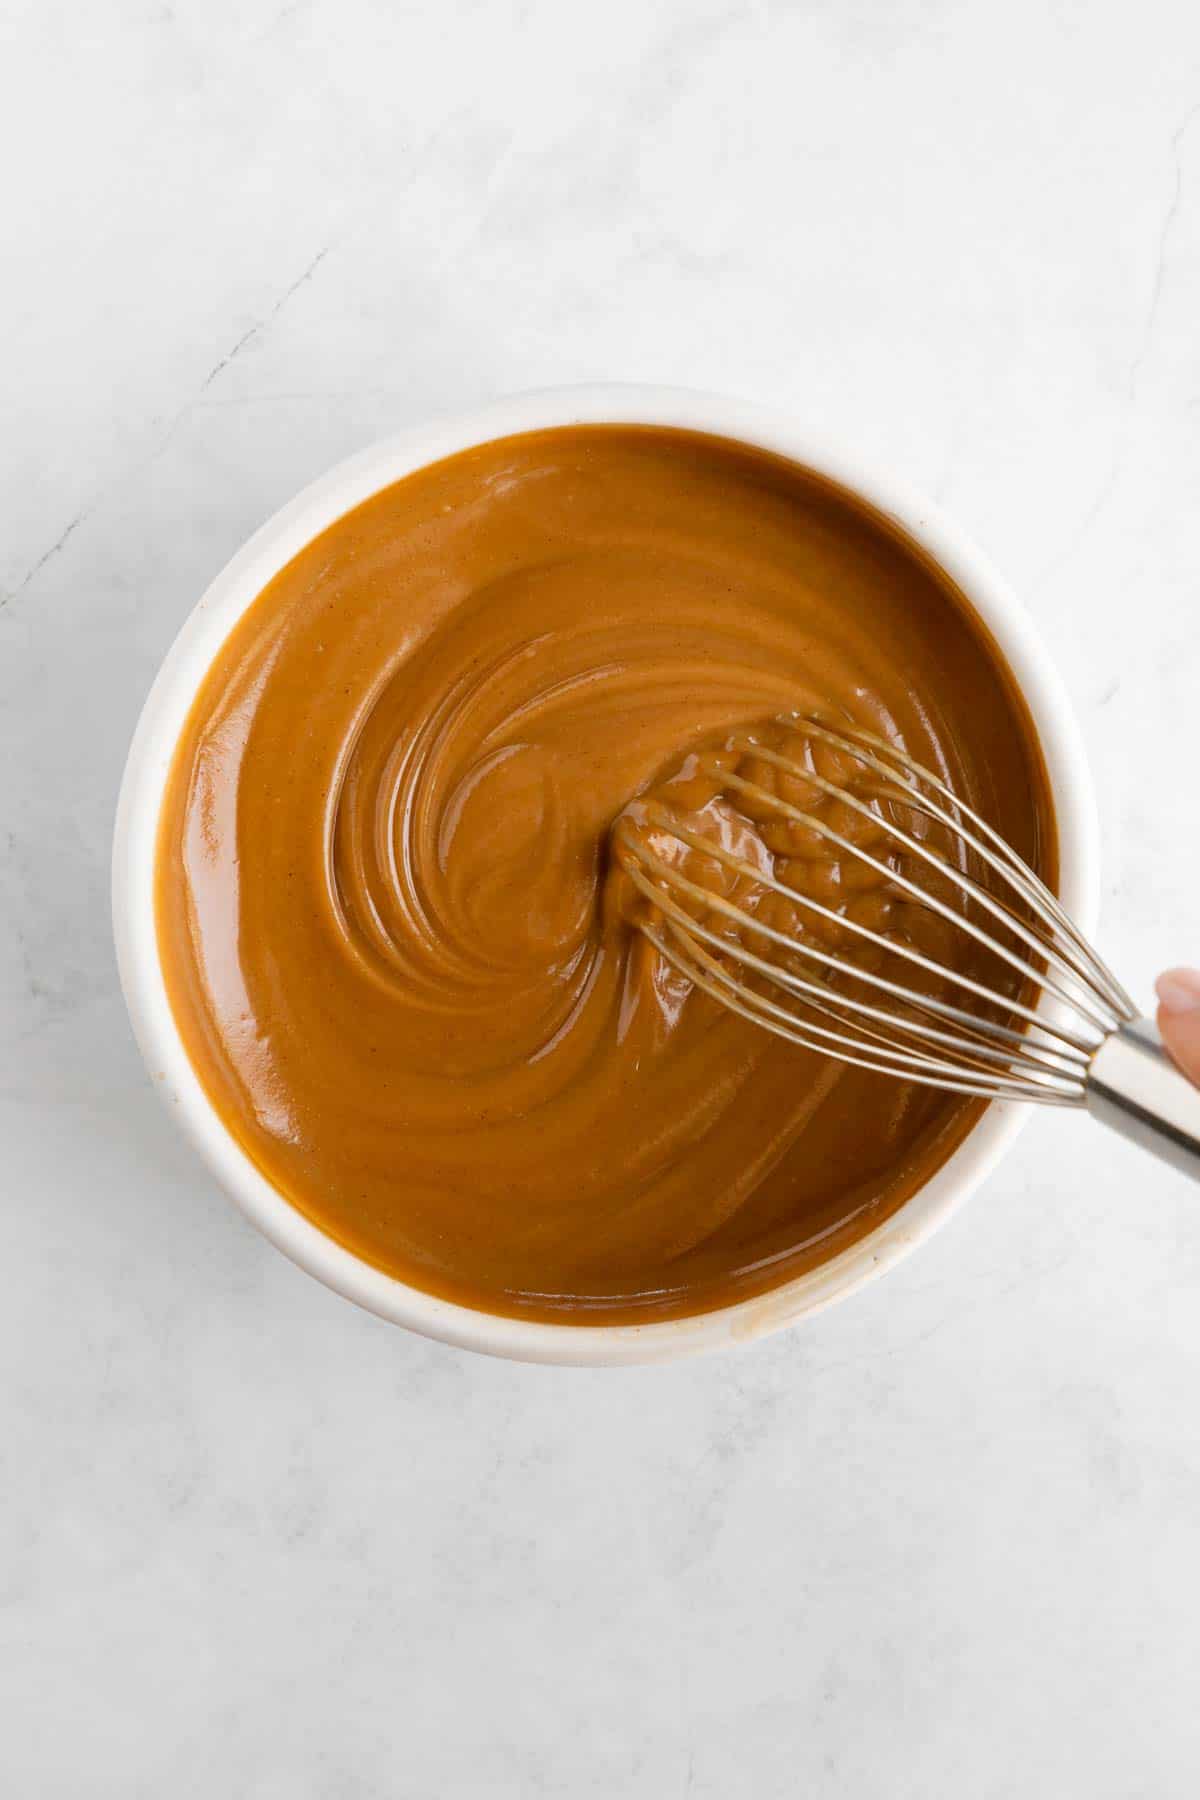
[[162, 720]]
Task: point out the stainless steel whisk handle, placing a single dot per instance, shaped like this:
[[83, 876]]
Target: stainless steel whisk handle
[[1133, 1085]]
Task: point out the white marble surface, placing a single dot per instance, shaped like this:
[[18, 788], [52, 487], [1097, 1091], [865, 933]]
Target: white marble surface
[[944, 1540]]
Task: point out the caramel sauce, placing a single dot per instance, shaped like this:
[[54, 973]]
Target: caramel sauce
[[384, 901]]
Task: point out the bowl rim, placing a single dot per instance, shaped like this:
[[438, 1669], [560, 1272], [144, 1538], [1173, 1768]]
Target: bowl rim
[[239, 583]]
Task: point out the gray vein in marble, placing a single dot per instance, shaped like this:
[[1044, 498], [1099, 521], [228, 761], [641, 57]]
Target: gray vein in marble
[[1137, 365], [248, 337], [46, 556], [1166, 230], [260, 325]]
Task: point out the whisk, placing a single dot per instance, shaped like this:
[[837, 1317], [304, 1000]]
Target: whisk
[[1030, 1013]]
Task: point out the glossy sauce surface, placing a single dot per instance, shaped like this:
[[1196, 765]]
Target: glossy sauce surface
[[385, 911]]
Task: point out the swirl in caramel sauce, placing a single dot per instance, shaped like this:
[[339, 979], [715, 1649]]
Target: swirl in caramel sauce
[[391, 933]]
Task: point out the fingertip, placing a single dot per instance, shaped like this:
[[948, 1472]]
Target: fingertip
[[1178, 991]]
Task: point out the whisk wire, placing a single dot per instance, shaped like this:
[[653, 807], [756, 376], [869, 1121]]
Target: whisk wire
[[1002, 1046], [964, 882], [1019, 1044], [926, 1071], [800, 946], [998, 854]]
